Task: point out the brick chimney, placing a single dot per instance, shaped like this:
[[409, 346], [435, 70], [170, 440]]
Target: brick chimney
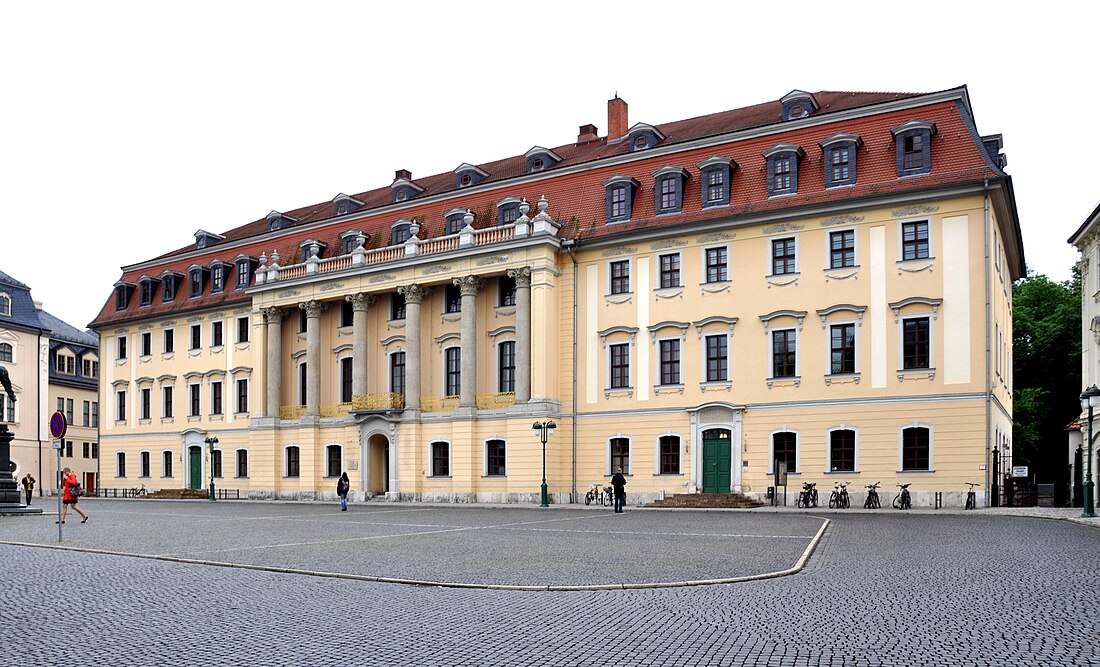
[[587, 133], [403, 173], [616, 118]]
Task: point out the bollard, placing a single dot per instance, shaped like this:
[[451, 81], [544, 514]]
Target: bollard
[[939, 499]]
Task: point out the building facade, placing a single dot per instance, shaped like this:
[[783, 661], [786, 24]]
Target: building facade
[[1087, 241], [823, 280], [74, 392]]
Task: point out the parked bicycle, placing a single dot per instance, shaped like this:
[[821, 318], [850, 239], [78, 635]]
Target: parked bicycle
[[600, 496], [807, 497], [902, 501], [839, 497], [137, 491], [971, 497], [872, 502]]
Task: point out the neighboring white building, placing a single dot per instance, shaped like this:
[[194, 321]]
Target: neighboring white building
[[1087, 240]]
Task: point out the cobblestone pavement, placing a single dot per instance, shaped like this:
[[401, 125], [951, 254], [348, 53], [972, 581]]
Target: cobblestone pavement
[[881, 589]]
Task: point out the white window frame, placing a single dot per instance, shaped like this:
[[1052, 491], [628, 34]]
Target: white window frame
[[829, 450], [120, 406], [191, 337], [657, 360], [901, 238], [485, 457], [703, 358], [12, 348], [797, 352], [213, 326], [916, 315], [164, 403], [211, 384], [119, 453], [142, 337], [443, 378], [189, 392], [431, 460], [607, 365], [633, 276], [389, 369], [829, 248], [237, 394], [496, 357], [141, 455], [342, 461], [657, 454], [248, 327], [144, 392], [120, 343], [829, 324], [797, 255], [164, 340], [703, 263], [162, 469], [286, 460], [797, 449], [341, 353], [931, 447], [5, 304], [236, 462], [657, 273], [629, 459]]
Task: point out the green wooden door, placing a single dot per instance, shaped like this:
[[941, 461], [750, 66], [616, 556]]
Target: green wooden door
[[196, 467], [717, 460]]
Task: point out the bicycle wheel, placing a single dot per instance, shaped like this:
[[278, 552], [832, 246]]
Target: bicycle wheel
[[844, 502], [897, 502], [588, 498], [801, 502], [834, 500], [605, 500], [813, 498], [971, 502]]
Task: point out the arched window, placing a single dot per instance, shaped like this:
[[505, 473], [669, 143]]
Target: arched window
[[5, 352], [441, 459], [842, 450], [293, 461], [166, 463], [916, 448], [668, 451], [495, 458], [785, 448], [5, 305]]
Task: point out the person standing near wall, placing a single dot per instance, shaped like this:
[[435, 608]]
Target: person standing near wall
[[618, 482], [342, 488], [69, 496], [28, 487]]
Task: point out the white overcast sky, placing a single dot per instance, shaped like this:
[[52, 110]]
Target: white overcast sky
[[126, 126]]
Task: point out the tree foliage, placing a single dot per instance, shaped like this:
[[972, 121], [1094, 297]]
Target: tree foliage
[[1046, 322]]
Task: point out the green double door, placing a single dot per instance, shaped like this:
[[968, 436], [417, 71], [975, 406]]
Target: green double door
[[717, 461], [195, 459]]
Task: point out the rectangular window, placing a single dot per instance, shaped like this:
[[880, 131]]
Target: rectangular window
[[717, 358], [293, 462], [146, 292], [913, 152], [216, 338], [441, 459], [452, 299], [91, 368], [166, 464], [121, 347], [670, 195], [145, 464], [620, 366], [915, 451], [506, 366], [302, 320], [215, 398], [670, 270], [333, 460], [783, 257], [242, 329], [243, 274], [397, 373], [782, 173], [167, 409], [217, 278], [783, 353], [842, 348], [716, 186], [914, 240], [840, 164], [453, 385], [302, 381], [196, 282], [670, 361], [506, 291], [346, 368], [120, 464], [87, 450], [670, 455], [916, 346], [242, 463], [95, 414], [618, 202], [193, 404], [620, 455], [620, 276], [120, 403], [146, 343], [146, 402], [68, 411], [168, 289], [87, 414], [95, 450], [216, 462], [196, 336], [397, 307], [169, 341], [842, 450], [842, 249], [9, 412], [717, 265], [242, 396], [494, 458], [347, 313], [785, 448]]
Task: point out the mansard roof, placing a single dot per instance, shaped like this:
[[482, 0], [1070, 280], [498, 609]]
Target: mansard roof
[[23, 313]]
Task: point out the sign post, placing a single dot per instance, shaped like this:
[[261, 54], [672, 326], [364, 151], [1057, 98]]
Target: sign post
[[58, 426]]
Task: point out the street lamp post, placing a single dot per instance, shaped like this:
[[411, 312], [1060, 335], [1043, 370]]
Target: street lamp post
[[210, 442], [544, 429], [1090, 398]]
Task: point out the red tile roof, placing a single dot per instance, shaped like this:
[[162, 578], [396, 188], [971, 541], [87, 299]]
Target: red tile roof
[[577, 199]]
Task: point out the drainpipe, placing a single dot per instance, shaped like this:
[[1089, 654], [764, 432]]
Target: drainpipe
[[988, 352], [569, 244]]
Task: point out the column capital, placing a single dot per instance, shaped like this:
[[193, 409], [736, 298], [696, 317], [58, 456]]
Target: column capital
[[521, 275], [274, 314], [361, 300], [414, 293], [469, 285], [313, 308]]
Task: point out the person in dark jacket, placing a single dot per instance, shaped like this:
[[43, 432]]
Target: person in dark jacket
[[342, 488], [28, 487], [618, 482]]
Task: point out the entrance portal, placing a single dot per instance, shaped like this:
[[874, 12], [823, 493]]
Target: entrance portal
[[717, 460], [379, 452], [195, 457]]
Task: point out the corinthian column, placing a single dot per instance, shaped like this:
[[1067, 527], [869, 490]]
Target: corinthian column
[[274, 358], [522, 277], [359, 303], [413, 294], [313, 353], [468, 286]]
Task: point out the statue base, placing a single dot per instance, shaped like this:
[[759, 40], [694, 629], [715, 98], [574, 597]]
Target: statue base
[[9, 490]]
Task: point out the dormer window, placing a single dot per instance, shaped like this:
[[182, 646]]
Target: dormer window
[[508, 210], [840, 159], [669, 189], [195, 278], [169, 283], [244, 265], [783, 168], [619, 195], [310, 247], [539, 158], [914, 145], [644, 136], [400, 232], [798, 104], [146, 288], [401, 195], [122, 294], [204, 238], [218, 274], [349, 241], [715, 174], [455, 221], [467, 174], [5, 307], [277, 221], [403, 187], [342, 204]]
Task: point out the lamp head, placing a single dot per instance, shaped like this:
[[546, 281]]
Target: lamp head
[[1090, 398], [551, 424], [536, 426]]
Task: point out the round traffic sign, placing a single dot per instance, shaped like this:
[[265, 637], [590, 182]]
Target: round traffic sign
[[58, 425]]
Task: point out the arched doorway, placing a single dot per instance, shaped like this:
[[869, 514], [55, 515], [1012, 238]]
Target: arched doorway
[[378, 467]]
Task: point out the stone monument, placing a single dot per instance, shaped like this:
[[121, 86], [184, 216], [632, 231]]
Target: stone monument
[[9, 489]]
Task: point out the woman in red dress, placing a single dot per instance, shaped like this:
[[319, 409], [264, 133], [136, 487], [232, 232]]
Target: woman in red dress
[[68, 481]]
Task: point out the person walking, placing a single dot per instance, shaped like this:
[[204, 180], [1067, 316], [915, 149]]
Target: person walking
[[28, 487], [618, 482], [342, 488], [68, 481]]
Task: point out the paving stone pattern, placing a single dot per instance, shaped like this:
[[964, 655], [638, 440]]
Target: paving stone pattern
[[882, 589]]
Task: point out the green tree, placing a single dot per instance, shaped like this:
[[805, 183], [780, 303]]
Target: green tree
[[1046, 321]]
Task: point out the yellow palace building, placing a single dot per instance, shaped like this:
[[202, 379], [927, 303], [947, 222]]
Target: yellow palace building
[[823, 280]]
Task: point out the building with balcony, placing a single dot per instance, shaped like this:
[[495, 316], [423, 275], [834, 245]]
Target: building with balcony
[[822, 280]]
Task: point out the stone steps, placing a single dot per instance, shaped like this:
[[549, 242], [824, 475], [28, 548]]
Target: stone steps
[[706, 500]]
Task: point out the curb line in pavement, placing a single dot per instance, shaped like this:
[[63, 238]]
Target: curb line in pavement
[[796, 568]]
